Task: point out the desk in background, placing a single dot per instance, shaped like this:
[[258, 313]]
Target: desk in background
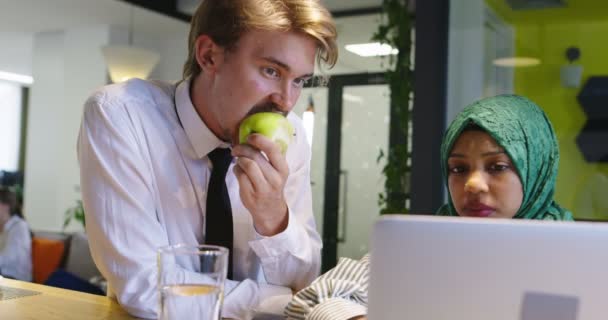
[[44, 302]]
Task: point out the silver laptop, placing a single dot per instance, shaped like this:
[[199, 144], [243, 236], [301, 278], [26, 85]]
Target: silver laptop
[[436, 268]]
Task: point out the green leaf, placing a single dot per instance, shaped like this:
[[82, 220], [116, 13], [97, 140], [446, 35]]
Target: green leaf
[[395, 29], [74, 213]]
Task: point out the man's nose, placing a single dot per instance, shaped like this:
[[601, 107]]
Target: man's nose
[[476, 183], [284, 98]]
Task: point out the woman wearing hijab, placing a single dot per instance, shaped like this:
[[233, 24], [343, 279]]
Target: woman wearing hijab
[[15, 239], [499, 158]]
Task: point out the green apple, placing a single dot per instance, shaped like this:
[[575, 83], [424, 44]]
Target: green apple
[[270, 124]]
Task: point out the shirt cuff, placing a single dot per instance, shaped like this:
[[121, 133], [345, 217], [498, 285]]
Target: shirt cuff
[[273, 300], [336, 309], [277, 245], [249, 299], [240, 299]]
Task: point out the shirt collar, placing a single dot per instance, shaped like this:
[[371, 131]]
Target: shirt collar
[[11, 221], [201, 137]]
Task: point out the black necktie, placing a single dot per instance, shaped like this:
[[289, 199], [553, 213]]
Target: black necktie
[[218, 217]]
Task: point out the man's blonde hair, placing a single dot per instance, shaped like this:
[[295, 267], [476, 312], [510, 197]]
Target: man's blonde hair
[[225, 21]]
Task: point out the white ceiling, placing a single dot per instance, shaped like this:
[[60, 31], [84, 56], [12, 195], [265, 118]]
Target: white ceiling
[[356, 29], [30, 16], [188, 6], [45, 15]]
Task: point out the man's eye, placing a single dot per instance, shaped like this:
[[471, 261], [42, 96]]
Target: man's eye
[[300, 82], [272, 72]]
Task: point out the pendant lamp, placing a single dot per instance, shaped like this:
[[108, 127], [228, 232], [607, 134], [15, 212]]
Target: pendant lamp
[[126, 61]]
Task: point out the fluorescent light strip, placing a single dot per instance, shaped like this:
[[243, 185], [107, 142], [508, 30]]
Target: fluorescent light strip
[[372, 49], [516, 62], [352, 98], [15, 77]]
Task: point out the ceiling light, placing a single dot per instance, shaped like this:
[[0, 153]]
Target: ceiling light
[[126, 62], [372, 49], [352, 98], [516, 62], [15, 77]]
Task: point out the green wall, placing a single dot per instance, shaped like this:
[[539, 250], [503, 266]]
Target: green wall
[[582, 187]]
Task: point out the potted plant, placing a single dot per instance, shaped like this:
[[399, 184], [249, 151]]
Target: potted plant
[[395, 30], [74, 213]]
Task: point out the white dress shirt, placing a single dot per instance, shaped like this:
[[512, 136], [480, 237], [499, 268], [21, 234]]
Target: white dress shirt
[[144, 177], [16, 249]]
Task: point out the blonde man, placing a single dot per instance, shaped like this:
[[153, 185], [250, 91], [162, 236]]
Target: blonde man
[[146, 148]]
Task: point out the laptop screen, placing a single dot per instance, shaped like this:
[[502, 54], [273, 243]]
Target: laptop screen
[[425, 267]]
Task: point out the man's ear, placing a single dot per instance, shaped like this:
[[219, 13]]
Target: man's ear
[[208, 54]]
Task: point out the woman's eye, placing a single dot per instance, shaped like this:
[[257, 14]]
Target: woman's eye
[[499, 167], [272, 72], [456, 169]]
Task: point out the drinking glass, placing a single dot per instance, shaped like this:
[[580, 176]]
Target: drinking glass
[[191, 281]]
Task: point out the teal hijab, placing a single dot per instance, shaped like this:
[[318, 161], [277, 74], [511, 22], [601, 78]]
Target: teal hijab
[[524, 131]]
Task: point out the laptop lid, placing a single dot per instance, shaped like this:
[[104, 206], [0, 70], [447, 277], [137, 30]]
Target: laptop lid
[[425, 267]]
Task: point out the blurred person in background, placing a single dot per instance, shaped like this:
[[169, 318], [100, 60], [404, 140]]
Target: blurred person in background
[[15, 239]]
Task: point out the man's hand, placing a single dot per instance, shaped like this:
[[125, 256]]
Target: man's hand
[[359, 318], [261, 181]]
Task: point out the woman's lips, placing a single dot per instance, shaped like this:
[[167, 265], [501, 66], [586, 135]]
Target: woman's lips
[[478, 210]]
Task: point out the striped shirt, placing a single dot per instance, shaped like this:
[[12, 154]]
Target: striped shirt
[[339, 294]]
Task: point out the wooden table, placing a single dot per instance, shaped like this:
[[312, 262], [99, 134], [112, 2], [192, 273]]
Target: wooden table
[[54, 303]]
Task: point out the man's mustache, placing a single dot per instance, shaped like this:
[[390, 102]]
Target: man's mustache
[[266, 107]]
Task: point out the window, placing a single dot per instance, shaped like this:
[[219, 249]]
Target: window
[[10, 125]]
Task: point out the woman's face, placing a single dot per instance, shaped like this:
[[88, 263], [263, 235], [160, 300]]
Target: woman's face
[[5, 212], [482, 179]]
